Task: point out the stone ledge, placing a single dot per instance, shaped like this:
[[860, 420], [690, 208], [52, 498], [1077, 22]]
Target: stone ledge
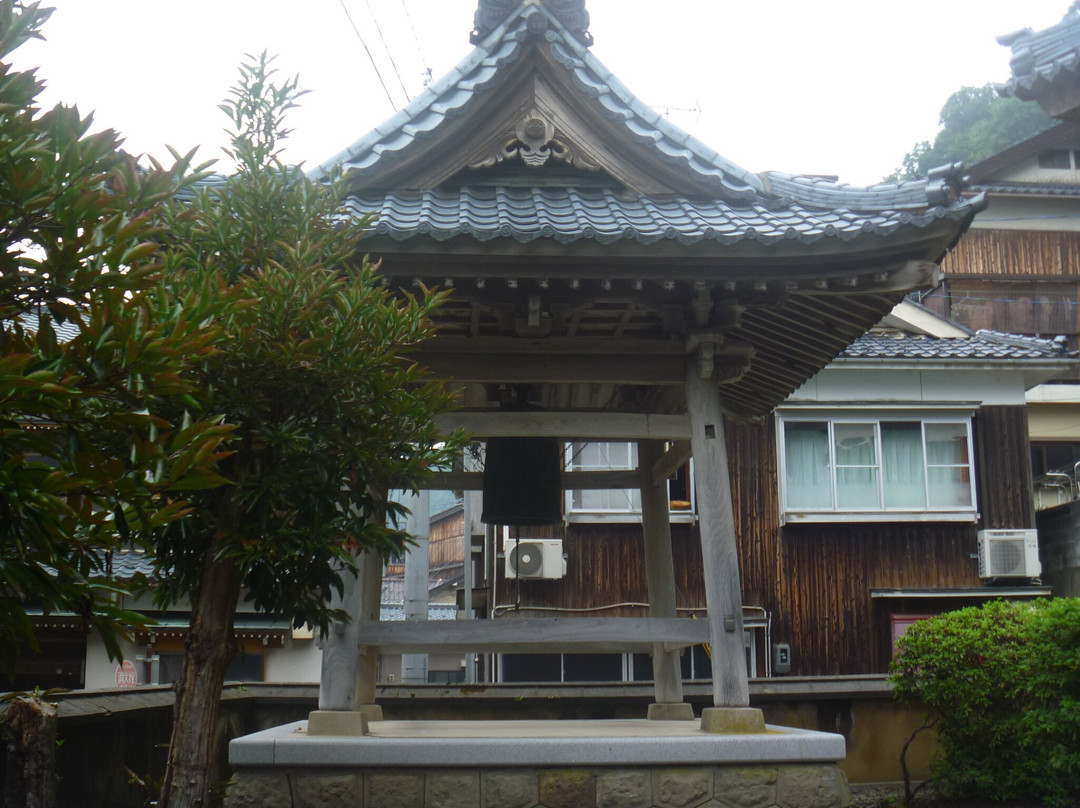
[[532, 743]]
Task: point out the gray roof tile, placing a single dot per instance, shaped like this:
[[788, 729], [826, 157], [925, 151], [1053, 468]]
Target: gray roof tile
[[1041, 58], [983, 345], [567, 215]]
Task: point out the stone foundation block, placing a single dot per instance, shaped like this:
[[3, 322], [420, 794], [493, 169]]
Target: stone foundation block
[[567, 788], [744, 788], [812, 787], [327, 790], [257, 789], [624, 789], [509, 789], [401, 790], [682, 788], [452, 790]]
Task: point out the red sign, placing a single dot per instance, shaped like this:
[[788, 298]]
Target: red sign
[[125, 674]]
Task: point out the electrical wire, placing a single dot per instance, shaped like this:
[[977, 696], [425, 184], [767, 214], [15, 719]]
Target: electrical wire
[[371, 58], [386, 47], [419, 50]]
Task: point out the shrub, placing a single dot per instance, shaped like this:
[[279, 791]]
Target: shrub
[[1001, 684]]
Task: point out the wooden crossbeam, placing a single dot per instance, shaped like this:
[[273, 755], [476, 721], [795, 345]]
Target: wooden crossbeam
[[533, 635], [567, 425]]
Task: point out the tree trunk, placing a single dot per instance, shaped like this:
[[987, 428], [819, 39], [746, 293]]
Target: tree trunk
[[29, 732], [209, 648]]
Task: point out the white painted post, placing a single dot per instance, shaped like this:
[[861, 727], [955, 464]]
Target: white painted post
[[719, 552], [417, 567], [660, 575]]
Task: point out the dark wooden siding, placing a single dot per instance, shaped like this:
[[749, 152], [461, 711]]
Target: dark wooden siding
[[815, 580], [1004, 462], [1014, 253]]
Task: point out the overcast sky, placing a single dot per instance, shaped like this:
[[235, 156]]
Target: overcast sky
[[840, 87]]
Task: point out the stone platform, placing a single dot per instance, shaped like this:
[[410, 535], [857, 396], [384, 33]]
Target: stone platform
[[538, 764]]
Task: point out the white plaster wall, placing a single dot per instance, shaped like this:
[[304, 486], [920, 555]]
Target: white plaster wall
[[298, 661], [932, 385], [1050, 422], [100, 670], [1029, 213]]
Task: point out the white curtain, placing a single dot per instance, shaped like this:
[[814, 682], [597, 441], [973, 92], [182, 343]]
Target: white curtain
[[948, 465], [806, 459], [902, 461]]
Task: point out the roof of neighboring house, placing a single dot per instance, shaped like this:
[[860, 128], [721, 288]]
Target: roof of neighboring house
[[1041, 59], [1029, 188], [982, 345]]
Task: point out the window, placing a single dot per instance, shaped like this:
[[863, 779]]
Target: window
[[1055, 158], [620, 505], [893, 468]]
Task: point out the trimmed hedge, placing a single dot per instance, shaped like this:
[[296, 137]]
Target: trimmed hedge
[[1002, 683]]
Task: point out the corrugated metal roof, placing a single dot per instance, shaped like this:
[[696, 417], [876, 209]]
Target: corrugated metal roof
[[1040, 58], [983, 345], [568, 214]]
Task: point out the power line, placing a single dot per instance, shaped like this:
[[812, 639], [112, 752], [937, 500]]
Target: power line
[[370, 57], [416, 39], [386, 47]]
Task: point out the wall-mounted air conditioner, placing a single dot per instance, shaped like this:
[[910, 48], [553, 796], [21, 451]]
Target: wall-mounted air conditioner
[[1009, 554], [534, 558]]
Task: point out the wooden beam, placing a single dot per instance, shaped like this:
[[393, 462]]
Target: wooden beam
[[567, 425], [533, 635], [673, 459], [552, 368], [571, 480]]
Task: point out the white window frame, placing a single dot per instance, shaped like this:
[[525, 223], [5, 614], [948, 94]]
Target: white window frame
[[575, 515], [880, 513]]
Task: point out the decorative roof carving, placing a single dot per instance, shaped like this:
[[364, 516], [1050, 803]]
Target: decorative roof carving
[[535, 143], [571, 13]]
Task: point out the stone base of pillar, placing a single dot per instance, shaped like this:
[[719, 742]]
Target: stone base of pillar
[[732, 720], [680, 711], [339, 723]]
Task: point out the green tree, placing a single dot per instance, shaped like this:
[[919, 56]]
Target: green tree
[[311, 367], [976, 123], [87, 460], [1001, 686]]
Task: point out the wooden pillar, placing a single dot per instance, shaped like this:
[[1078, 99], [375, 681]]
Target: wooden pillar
[[660, 575], [417, 567], [719, 555], [349, 672]]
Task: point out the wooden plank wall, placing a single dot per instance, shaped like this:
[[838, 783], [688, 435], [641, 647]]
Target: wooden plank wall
[[814, 580], [1014, 253]]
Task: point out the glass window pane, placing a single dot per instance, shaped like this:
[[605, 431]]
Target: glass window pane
[[592, 668], [902, 465], [949, 487], [531, 668], [946, 444], [604, 456], [806, 460], [856, 466], [856, 488]]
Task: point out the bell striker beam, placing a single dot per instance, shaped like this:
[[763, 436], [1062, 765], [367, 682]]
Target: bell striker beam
[[660, 575]]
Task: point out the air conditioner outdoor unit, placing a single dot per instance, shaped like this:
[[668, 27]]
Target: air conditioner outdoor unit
[[1009, 554], [534, 558]]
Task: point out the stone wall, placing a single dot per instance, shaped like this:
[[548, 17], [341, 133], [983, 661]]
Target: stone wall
[[729, 786]]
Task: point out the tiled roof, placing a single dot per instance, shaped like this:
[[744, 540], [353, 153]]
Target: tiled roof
[[456, 92], [568, 214], [737, 204], [1033, 188], [983, 345], [127, 564], [65, 332], [1042, 57]]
